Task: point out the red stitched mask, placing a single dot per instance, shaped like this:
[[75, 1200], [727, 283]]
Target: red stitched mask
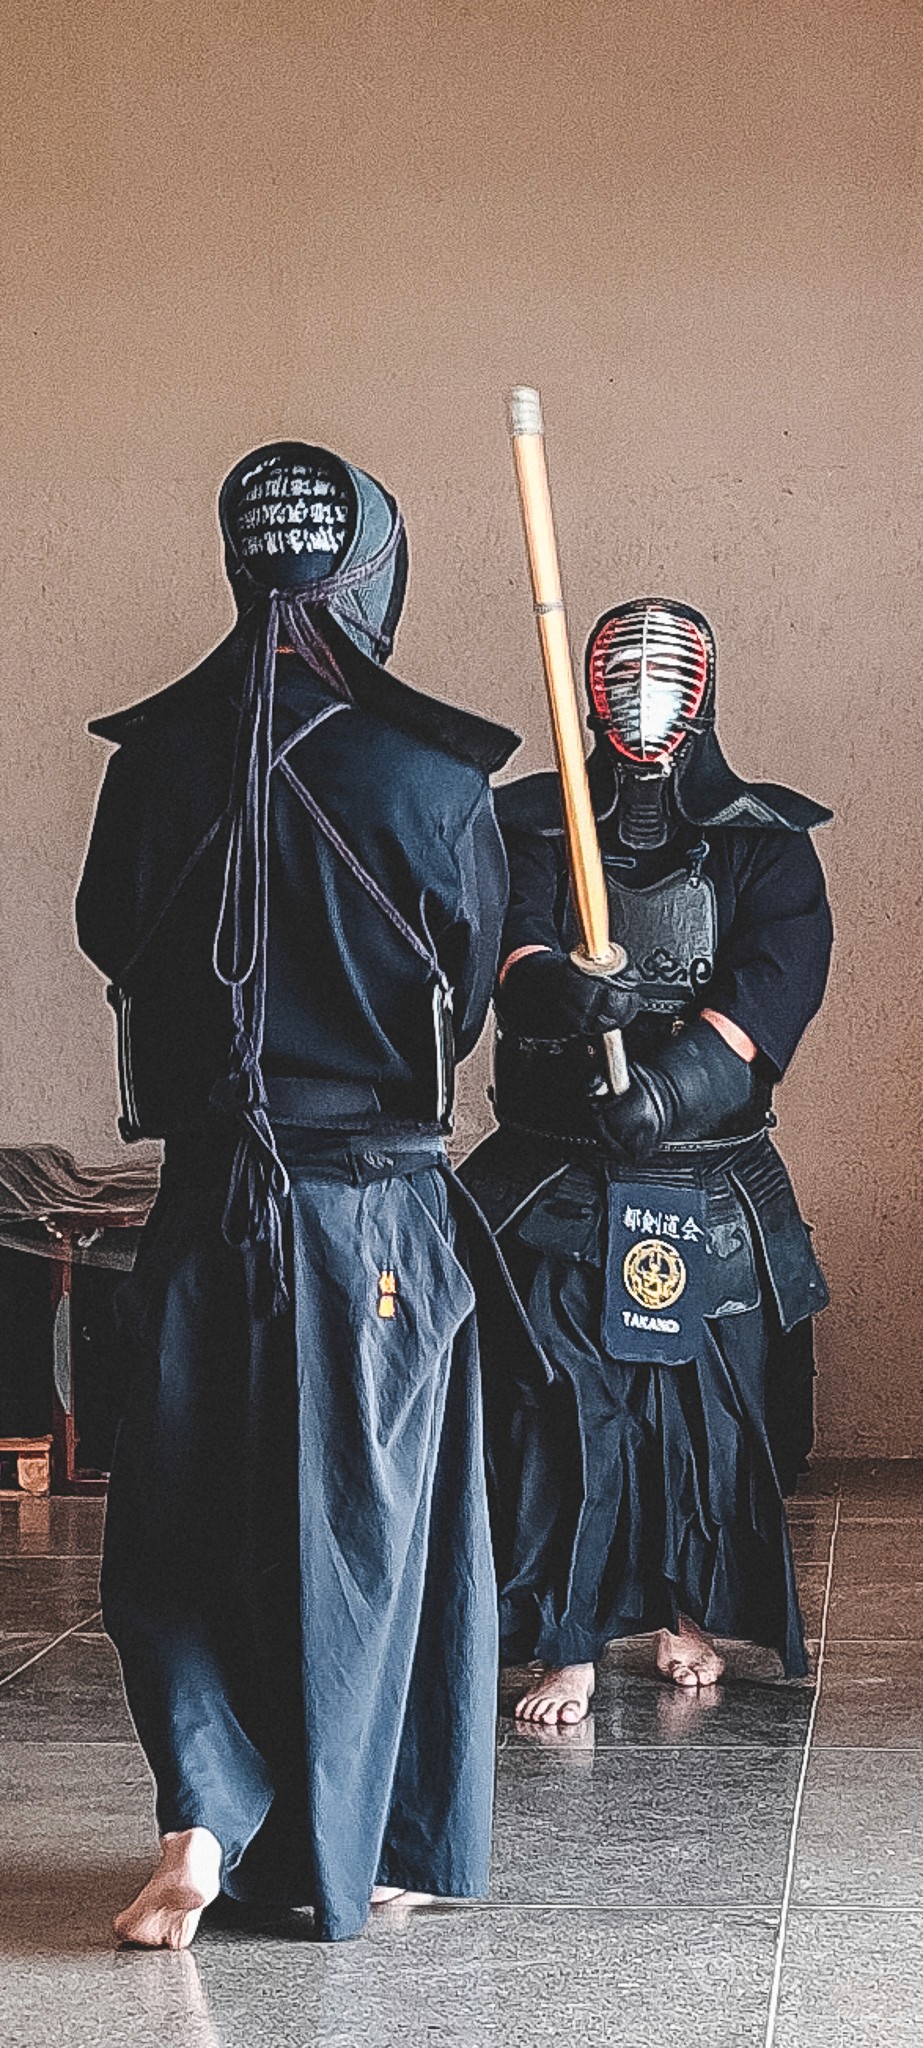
[[649, 663]]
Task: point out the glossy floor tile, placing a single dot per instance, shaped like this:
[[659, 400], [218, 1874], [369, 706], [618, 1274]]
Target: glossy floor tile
[[73, 1694], [66, 1804], [54, 1526], [811, 1531], [812, 1587], [17, 1647], [852, 1980], [860, 1841], [47, 1593], [641, 1861], [670, 1826], [884, 1610], [878, 1589], [459, 1976], [891, 1486], [879, 1550], [822, 1481], [804, 1505], [872, 1696]]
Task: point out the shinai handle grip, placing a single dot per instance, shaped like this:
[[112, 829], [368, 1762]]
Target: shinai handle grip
[[596, 955]]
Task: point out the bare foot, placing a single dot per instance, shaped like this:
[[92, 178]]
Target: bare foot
[[394, 1894], [167, 1912], [561, 1695], [689, 1658]]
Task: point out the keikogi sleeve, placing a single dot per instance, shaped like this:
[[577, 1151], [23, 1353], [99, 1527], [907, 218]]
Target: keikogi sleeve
[[534, 880], [105, 906], [470, 948], [772, 967]]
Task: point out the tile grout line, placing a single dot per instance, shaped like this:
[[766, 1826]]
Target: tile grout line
[[39, 1654], [773, 2012]]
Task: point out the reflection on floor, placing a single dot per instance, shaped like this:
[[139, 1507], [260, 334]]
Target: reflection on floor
[[735, 1871]]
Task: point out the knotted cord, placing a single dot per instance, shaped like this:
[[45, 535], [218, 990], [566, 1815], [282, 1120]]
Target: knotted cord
[[259, 1188]]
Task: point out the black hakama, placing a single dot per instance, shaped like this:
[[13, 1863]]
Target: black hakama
[[640, 1491], [297, 1569]]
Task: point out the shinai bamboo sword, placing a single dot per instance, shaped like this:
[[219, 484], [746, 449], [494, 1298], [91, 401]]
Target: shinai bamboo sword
[[596, 954]]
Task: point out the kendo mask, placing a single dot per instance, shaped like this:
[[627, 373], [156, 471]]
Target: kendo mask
[[650, 673], [300, 522]]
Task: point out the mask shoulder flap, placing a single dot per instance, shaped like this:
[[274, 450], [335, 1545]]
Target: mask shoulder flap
[[770, 804], [478, 741], [533, 804], [209, 680]]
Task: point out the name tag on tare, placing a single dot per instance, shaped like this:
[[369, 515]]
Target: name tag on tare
[[655, 1273]]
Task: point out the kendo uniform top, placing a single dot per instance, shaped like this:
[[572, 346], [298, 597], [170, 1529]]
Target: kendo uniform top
[[662, 1496], [350, 984], [296, 886]]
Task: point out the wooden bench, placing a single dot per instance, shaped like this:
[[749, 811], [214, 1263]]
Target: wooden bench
[[33, 1464]]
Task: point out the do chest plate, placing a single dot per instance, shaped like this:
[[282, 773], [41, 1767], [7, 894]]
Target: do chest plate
[[669, 931]]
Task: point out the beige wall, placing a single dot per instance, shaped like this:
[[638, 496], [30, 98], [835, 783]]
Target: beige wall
[[697, 227]]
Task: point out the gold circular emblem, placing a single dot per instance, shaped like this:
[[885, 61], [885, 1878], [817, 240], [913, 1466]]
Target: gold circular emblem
[[654, 1273]]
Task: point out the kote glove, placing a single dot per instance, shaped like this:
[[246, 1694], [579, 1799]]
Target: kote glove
[[545, 996], [694, 1088]]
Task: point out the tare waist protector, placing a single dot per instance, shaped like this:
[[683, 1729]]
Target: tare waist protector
[[679, 1242]]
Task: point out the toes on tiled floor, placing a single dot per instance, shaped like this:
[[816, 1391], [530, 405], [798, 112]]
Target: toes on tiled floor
[[641, 1862]]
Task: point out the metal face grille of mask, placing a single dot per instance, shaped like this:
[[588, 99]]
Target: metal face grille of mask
[[293, 522], [648, 671]]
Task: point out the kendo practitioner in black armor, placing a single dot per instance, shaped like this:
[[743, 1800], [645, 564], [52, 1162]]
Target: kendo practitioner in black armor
[[296, 887], [654, 1237]]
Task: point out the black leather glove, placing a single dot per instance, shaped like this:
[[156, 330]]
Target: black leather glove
[[545, 996], [695, 1088]]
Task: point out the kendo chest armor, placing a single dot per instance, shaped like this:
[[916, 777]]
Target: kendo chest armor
[[669, 930]]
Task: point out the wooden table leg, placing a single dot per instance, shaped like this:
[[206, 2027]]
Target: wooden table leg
[[63, 1426]]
